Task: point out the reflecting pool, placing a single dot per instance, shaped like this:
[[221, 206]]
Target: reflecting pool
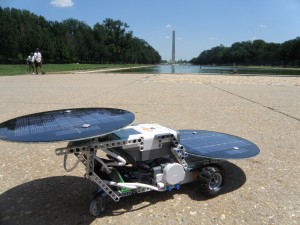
[[190, 69]]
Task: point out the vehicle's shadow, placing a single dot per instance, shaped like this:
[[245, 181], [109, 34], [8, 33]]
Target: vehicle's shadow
[[66, 199], [53, 200]]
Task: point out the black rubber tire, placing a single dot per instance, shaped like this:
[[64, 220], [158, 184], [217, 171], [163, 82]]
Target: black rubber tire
[[211, 181], [97, 206]]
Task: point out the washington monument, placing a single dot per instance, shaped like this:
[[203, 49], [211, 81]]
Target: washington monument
[[173, 47]]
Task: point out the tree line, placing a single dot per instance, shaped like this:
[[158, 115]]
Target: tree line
[[256, 52], [70, 41]]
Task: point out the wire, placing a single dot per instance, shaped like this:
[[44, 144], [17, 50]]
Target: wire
[[75, 165]]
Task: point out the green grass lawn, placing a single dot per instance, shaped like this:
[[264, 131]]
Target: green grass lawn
[[9, 70]]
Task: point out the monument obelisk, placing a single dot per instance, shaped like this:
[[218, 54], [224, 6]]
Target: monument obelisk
[[173, 47]]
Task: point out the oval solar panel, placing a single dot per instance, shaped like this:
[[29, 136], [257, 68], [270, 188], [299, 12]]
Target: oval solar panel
[[210, 144], [65, 124]]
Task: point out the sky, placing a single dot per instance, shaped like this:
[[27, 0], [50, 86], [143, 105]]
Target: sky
[[199, 24]]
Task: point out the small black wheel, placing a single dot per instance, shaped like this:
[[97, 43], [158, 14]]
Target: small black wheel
[[97, 206], [211, 180]]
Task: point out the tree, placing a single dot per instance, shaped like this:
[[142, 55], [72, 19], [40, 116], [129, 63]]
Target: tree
[[257, 52], [70, 40], [116, 39]]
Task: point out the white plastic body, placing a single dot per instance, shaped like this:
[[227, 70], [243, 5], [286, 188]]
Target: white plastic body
[[173, 173], [148, 140]]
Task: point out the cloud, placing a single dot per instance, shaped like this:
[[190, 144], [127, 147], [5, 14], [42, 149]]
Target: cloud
[[168, 26], [254, 38], [262, 26], [167, 37], [212, 38], [62, 3]]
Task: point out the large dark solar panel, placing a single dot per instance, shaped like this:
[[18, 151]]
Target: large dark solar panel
[[66, 124], [211, 144]]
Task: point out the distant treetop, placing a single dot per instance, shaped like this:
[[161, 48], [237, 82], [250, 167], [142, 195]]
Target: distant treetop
[[256, 52], [70, 41]]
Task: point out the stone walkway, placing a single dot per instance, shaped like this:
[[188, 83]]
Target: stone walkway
[[35, 189]]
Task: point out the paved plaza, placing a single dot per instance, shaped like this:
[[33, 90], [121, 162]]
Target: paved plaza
[[35, 189]]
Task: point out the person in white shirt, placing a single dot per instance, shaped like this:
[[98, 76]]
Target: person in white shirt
[[38, 61]]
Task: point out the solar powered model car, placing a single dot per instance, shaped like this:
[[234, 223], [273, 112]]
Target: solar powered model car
[[124, 159]]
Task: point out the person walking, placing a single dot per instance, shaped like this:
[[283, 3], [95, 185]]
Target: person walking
[[30, 61], [38, 61]]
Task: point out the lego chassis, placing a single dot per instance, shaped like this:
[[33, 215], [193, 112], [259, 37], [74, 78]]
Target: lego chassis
[[123, 164]]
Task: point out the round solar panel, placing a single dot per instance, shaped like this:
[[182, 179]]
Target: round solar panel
[[65, 124], [210, 144]]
